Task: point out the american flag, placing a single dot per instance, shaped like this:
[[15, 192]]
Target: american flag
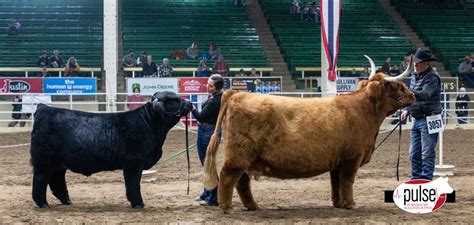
[[330, 18]]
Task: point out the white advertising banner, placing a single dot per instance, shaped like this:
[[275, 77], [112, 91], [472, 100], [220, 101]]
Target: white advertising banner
[[346, 84], [31, 101], [148, 86]]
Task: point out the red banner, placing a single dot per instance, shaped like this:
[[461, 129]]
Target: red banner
[[193, 85], [21, 85]]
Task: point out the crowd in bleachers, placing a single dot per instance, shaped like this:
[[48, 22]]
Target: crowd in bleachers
[[304, 11], [466, 70], [71, 67], [150, 69]]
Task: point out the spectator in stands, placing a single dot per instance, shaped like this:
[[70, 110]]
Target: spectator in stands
[[14, 27], [165, 69], [313, 13], [203, 70], [304, 9], [129, 61], [295, 7], [220, 66], [72, 68], [149, 67], [241, 73], [135, 100], [462, 102], [55, 61], [42, 62], [464, 70], [394, 71], [239, 2], [365, 73], [142, 59], [354, 72], [214, 51], [16, 112], [253, 73], [193, 51], [472, 61], [386, 66]]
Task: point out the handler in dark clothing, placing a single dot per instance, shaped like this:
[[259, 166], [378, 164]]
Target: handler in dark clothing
[[16, 112], [207, 119], [426, 85]]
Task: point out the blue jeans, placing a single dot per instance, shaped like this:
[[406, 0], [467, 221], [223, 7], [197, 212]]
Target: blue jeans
[[203, 138], [422, 151]]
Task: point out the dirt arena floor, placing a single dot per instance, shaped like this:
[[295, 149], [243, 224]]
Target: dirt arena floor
[[101, 197]]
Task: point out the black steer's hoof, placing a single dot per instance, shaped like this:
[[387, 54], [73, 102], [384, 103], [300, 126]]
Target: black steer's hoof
[[66, 202], [43, 206], [139, 206]]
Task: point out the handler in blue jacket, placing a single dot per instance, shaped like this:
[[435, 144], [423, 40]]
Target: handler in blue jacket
[[426, 85]]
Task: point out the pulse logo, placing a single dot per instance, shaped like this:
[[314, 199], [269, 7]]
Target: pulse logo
[[422, 196]]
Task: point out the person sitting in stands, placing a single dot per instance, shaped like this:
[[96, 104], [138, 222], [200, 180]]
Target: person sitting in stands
[[221, 67], [165, 69], [149, 68], [241, 73], [72, 68], [365, 73], [55, 61], [464, 70], [203, 70], [214, 51], [253, 73], [14, 27], [142, 59], [193, 51], [387, 65], [129, 61], [42, 62]]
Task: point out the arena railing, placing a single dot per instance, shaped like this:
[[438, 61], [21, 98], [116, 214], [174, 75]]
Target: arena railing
[[193, 70], [94, 103], [28, 70]]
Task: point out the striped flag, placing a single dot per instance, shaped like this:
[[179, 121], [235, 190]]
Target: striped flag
[[330, 18]]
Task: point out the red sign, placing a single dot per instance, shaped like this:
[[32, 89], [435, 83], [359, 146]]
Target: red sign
[[193, 85], [21, 85]]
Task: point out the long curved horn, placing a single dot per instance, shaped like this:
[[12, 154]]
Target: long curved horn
[[404, 74], [372, 67]]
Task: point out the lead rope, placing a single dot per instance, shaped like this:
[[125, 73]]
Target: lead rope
[[399, 143], [187, 151]]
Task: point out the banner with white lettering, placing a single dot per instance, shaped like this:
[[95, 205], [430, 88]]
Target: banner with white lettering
[[66, 86], [148, 86]]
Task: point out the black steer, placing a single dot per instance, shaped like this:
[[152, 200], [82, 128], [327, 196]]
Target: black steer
[[88, 143]]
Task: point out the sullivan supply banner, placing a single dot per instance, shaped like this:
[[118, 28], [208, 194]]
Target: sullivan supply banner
[[66, 86], [21, 85], [149, 86]]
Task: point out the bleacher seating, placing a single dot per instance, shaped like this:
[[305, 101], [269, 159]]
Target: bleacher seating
[[365, 29], [448, 31], [72, 27], [161, 26]]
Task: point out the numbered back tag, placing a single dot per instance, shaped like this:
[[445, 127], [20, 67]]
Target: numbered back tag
[[434, 123]]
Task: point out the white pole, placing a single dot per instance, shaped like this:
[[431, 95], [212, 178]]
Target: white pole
[[110, 52]]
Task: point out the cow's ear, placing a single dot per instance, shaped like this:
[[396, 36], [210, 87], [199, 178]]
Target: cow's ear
[[362, 84], [375, 89]]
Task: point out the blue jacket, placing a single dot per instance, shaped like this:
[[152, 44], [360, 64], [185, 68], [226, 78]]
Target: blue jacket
[[427, 89]]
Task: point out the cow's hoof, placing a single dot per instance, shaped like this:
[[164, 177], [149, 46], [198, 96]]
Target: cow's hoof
[[43, 206], [252, 207], [66, 202], [337, 204], [349, 206], [139, 206], [228, 211]]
